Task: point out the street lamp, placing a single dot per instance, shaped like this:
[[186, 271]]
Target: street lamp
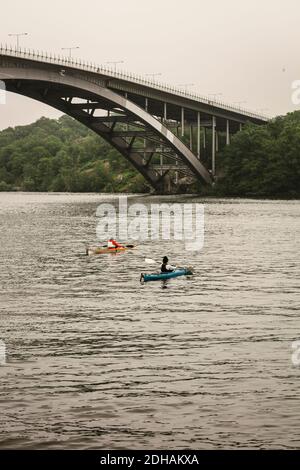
[[186, 86], [239, 103], [214, 95], [115, 63], [17, 36], [153, 75], [70, 49]]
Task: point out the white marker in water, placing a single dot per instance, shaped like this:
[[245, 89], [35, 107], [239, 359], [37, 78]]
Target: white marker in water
[[2, 353], [296, 353]]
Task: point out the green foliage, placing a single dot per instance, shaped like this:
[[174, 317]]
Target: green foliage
[[263, 161], [63, 155]]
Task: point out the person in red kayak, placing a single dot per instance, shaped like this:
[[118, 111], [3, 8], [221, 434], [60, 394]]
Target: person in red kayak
[[113, 244]]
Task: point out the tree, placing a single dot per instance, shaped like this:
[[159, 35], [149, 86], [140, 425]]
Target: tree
[[263, 161]]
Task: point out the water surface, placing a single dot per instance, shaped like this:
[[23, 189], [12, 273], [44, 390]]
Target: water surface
[[95, 360]]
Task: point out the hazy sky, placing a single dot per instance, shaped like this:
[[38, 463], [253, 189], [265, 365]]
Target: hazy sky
[[246, 50]]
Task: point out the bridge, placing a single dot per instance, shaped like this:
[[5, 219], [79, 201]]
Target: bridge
[[172, 137]]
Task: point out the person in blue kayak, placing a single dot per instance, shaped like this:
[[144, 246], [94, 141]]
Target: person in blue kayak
[[166, 267]]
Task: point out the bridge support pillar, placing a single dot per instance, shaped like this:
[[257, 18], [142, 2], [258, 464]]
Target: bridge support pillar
[[227, 132], [198, 134], [182, 122], [213, 156], [165, 112]]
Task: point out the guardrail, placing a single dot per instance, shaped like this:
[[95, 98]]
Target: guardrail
[[49, 58]]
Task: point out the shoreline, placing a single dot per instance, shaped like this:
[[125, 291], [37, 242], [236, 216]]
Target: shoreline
[[192, 195]]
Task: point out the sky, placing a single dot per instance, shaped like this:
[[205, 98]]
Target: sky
[[247, 50]]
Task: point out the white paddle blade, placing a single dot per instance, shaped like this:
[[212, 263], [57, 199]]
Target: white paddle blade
[[150, 261]]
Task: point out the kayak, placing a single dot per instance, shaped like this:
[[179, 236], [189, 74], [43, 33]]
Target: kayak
[[165, 276], [102, 250]]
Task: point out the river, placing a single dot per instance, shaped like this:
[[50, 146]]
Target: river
[[95, 360]]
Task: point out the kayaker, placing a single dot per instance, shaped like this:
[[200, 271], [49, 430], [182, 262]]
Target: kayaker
[[114, 244], [166, 267]]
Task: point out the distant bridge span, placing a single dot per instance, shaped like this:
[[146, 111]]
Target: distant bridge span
[[159, 129]]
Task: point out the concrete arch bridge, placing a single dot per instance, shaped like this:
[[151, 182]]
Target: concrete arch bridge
[[161, 130]]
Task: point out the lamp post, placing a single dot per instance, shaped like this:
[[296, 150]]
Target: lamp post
[[263, 110], [186, 86], [239, 103], [17, 36], [115, 63], [70, 49], [214, 95], [153, 75]]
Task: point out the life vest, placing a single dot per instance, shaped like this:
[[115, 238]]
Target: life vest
[[164, 268], [113, 244]]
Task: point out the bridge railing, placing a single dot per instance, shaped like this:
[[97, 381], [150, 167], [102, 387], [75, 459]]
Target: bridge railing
[[121, 75]]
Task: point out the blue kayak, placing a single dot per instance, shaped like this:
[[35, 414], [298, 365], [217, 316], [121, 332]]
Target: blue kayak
[[165, 276]]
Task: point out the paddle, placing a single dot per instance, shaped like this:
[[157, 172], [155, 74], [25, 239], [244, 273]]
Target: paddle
[[105, 246], [150, 261], [125, 246]]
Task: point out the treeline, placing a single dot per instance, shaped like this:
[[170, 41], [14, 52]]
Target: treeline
[[63, 155], [263, 161]]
